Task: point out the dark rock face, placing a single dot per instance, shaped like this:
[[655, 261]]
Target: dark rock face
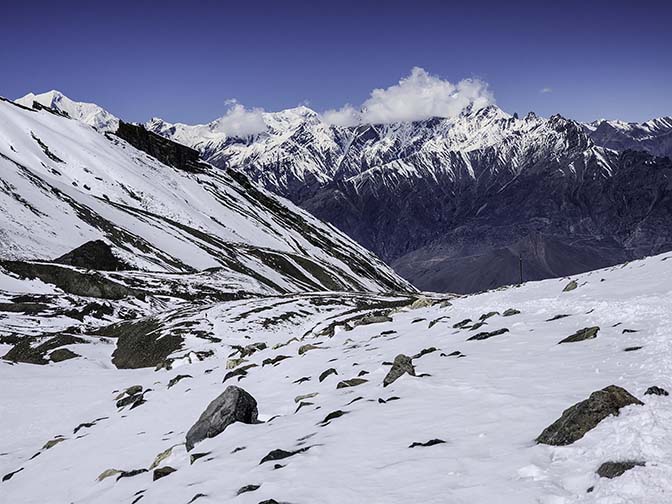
[[233, 405], [581, 335], [402, 364], [615, 469], [95, 255], [168, 152], [90, 284], [141, 344], [23, 351], [584, 416]]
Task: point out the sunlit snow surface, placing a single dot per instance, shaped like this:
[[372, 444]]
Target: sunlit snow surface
[[488, 407]]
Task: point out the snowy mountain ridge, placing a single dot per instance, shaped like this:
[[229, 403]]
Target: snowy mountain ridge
[[64, 184], [88, 113]]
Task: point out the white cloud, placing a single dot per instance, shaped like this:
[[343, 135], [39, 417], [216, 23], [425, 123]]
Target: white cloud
[[546, 90], [345, 116], [240, 121], [418, 96]]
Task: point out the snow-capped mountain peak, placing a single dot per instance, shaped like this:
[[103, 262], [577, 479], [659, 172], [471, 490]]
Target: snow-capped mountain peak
[[88, 113]]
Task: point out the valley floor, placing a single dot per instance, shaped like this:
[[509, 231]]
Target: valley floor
[[487, 403]]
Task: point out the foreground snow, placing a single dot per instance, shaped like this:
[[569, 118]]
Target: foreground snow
[[487, 406]]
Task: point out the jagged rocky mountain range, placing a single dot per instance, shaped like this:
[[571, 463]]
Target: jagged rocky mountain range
[[454, 203], [63, 184], [451, 204]]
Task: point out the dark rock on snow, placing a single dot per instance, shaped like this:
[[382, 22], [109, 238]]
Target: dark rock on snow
[[616, 469], [656, 391], [584, 416], [402, 364], [96, 255], [485, 335], [431, 442], [161, 472], [233, 405], [582, 334]]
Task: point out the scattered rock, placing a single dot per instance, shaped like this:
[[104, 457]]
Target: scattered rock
[[431, 442], [485, 335], [233, 405], [302, 379], [162, 472], [9, 476], [558, 317], [176, 379], [300, 398], [486, 316], [333, 415], [130, 474], [306, 348], [424, 352], [615, 469], [402, 364], [274, 360], [632, 348], [582, 417], [352, 382], [627, 331], [509, 312], [372, 319], [326, 373], [282, 454], [52, 442], [462, 324], [582, 334], [62, 354], [656, 391], [107, 473], [570, 286], [248, 488]]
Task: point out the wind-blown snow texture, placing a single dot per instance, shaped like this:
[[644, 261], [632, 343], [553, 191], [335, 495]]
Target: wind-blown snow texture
[[451, 203], [62, 183], [487, 403]]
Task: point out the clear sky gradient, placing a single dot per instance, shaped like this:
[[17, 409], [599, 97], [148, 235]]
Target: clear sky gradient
[[182, 60]]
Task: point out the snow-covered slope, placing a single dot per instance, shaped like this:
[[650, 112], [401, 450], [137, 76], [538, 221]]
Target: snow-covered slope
[[462, 430], [62, 183], [89, 113]]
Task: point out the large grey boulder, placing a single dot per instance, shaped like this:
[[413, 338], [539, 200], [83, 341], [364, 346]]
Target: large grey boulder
[[402, 364], [577, 420], [233, 405]]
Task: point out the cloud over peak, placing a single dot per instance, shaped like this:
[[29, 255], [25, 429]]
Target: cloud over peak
[[417, 96], [240, 121]]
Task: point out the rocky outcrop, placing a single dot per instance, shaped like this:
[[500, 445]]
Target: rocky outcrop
[[168, 152], [233, 405], [141, 344], [89, 284], [402, 364], [96, 255], [584, 416], [24, 351]]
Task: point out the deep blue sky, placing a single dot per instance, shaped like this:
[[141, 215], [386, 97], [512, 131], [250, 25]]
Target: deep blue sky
[[182, 60]]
